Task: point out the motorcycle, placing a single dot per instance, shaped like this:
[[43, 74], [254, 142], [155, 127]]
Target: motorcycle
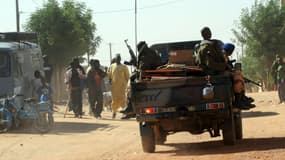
[[39, 114]]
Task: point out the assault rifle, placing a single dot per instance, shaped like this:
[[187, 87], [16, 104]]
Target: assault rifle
[[246, 80], [133, 60], [237, 66]]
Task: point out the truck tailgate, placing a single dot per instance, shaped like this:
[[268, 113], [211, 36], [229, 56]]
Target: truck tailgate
[[184, 91]]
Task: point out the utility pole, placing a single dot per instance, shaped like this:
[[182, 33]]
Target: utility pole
[[136, 31], [282, 2], [110, 47], [17, 16]]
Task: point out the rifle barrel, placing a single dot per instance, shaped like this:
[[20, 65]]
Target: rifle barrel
[[133, 60], [246, 80]]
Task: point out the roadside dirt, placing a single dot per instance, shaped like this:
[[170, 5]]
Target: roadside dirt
[[107, 139]]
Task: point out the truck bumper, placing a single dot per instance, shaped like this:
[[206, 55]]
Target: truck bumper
[[216, 114]]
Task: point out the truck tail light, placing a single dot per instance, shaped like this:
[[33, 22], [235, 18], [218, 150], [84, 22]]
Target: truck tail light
[[215, 105], [149, 110]]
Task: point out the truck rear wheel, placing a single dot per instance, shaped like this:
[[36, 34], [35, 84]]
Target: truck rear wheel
[[147, 138], [161, 139], [229, 133], [159, 134], [238, 125]]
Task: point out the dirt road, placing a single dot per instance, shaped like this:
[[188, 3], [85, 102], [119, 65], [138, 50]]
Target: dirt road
[[107, 139]]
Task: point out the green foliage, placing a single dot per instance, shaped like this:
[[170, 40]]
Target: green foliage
[[254, 68], [64, 31], [262, 31]]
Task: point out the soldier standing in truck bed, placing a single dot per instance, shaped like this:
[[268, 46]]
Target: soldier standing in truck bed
[[148, 59], [213, 59], [241, 100], [210, 56]]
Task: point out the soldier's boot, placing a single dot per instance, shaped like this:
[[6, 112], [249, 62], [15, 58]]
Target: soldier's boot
[[246, 98], [244, 102], [128, 109], [248, 101]]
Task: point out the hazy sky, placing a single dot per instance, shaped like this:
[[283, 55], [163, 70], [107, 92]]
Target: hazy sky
[[158, 20]]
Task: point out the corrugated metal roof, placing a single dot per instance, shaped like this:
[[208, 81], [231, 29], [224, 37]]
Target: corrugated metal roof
[[7, 46], [11, 46]]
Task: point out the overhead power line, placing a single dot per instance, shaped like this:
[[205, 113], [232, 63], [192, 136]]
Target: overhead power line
[[139, 8]]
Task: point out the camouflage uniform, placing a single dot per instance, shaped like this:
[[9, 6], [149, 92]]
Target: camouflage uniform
[[280, 77], [210, 57]]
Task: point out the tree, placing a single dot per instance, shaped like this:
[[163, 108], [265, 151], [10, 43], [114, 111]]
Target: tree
[[64, 32], [261, 31]]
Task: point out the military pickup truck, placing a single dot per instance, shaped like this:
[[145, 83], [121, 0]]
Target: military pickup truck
[[181, 98]]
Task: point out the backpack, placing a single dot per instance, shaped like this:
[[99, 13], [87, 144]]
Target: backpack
[[211, 57]]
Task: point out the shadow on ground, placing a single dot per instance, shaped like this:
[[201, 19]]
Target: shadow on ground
[[217, 147], [254, 114], [79, 127], [67, 128]]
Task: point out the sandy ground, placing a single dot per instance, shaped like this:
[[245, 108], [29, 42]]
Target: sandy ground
[[107, 139]]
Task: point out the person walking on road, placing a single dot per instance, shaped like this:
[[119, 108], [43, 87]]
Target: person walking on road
[[73, 78], [94, 84], [278, 71], [119, 75]]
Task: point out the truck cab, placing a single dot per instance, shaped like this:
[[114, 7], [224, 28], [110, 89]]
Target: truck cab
[[20, 56]]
